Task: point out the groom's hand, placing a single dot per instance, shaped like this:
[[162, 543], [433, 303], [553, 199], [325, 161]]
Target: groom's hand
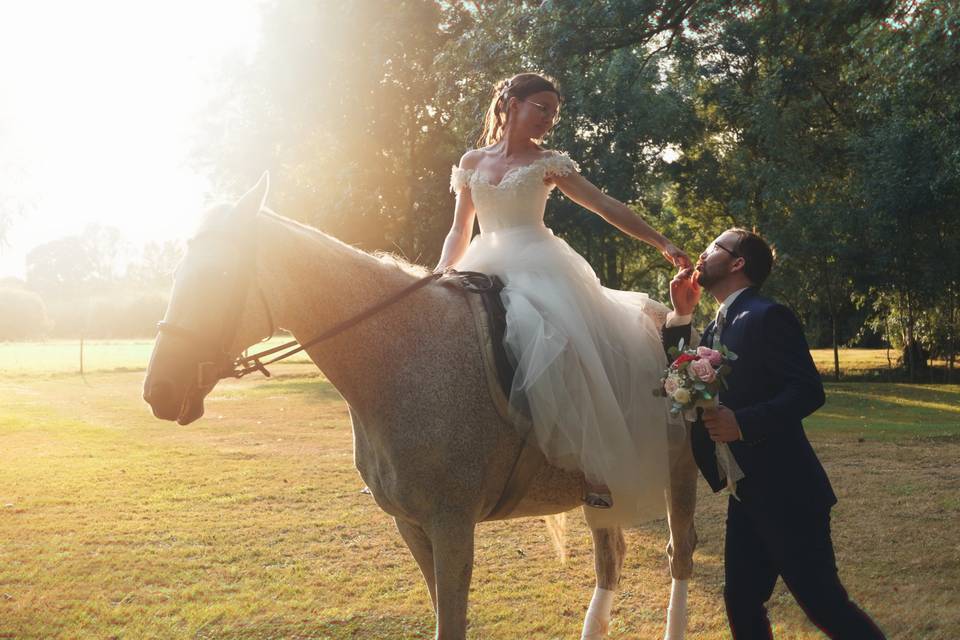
[[684, 292], [721, 424]]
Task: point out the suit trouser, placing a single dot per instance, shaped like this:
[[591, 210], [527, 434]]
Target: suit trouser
[[764, 543]]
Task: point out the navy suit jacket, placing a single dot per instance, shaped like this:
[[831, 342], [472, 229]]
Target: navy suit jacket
[[773, 386]]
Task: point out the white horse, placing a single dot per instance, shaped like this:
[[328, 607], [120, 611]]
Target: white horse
[[428, 440]]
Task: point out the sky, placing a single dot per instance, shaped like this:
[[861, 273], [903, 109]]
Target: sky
[[98, 103]]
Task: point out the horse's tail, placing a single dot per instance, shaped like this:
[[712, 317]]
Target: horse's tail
[[557, 527]]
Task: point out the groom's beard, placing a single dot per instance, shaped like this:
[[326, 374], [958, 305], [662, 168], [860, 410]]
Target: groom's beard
[[706, 279]]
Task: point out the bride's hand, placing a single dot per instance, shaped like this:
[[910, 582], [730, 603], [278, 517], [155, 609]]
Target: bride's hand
[[676, 256]]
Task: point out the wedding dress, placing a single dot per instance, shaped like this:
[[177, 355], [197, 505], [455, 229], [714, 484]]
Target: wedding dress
[[587, 358]]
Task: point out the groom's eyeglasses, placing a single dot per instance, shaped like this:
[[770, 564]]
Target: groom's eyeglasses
[[547, 111], [733, 253]]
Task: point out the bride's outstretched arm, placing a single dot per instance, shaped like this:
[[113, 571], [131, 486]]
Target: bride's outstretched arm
[[588, 196], [458, 238]]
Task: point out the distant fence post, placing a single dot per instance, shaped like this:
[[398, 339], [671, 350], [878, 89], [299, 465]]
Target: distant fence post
[[81, 355]]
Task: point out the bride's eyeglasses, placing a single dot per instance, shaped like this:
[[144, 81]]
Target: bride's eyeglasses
[[547, 111]]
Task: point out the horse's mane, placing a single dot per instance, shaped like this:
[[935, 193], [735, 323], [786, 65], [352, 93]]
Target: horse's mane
[[384, 257], [217, 220]]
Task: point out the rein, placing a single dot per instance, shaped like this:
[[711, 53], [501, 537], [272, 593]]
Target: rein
[[222, 365], [209, 372], [244, 365]]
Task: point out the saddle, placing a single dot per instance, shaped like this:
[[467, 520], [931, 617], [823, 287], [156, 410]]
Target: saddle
[[482, 293]]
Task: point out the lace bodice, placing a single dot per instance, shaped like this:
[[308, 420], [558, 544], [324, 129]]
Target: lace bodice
[[521, 197]]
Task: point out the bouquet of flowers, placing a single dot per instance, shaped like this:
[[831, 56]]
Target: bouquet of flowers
[[694, 377], [693, 381]]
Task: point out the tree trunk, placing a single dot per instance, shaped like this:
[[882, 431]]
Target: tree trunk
[[610, 266], [908, 353], [833, 331], [951, 336], [836, 348]]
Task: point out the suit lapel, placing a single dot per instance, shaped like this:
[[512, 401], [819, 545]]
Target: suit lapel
[[735, 309]]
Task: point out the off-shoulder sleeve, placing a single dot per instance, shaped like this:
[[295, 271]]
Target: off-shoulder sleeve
[[560, 164], [459, 178]]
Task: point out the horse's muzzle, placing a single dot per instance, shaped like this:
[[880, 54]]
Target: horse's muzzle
[[162, 400]]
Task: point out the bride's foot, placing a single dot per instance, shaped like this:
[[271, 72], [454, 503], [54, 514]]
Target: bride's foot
[[598, 500], [598, 497]]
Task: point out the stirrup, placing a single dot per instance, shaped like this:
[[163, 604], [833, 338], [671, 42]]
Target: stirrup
[[598, 500]]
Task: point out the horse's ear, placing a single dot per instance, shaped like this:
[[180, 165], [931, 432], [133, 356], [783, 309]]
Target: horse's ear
[[252, 201]]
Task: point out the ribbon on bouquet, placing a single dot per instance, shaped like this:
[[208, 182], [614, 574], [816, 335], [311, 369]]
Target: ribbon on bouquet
[[727, 465]]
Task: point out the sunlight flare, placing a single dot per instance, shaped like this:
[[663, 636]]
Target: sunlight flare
[[102, 102]]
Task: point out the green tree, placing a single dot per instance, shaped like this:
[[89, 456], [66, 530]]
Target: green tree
[[907, 172], [830, 126], [772, 86], [341, 105], [24, 315], [619, 118], [152, 270], [79, 264]]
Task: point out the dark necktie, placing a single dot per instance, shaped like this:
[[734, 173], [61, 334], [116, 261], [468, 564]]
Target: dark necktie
[[718, 328]]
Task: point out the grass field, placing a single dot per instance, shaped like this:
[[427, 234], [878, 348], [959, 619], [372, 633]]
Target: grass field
[[64, 356], [250, 523], [112, 355], [876, 365], [855, 361]]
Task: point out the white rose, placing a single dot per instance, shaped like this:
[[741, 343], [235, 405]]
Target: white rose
[[681, 396], [671, 384]]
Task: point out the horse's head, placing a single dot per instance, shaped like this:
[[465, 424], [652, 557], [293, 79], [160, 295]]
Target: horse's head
[[216, 310]]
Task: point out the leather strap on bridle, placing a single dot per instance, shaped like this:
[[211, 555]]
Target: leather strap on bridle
[[210, 371]]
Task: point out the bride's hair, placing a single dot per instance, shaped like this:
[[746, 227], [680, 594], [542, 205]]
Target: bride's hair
[[519, 86]]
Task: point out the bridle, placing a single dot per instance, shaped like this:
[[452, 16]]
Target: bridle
[[218, 363], [223, 365]]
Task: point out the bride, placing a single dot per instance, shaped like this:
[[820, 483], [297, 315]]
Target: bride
[[587, 358]]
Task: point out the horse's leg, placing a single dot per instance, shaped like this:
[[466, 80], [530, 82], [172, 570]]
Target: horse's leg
[[681, 504], [422, 550], [609, 550], [453, 565]]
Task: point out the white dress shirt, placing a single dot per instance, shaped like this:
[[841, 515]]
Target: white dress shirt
[[676, 320]]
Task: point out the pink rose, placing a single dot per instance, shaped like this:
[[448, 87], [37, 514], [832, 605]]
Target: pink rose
[[703, 370], [715, 357]]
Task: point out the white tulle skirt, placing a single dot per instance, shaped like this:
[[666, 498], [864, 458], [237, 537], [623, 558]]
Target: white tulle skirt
[[587, 361]]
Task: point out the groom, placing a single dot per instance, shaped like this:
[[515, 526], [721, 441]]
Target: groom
[[778, 524]]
